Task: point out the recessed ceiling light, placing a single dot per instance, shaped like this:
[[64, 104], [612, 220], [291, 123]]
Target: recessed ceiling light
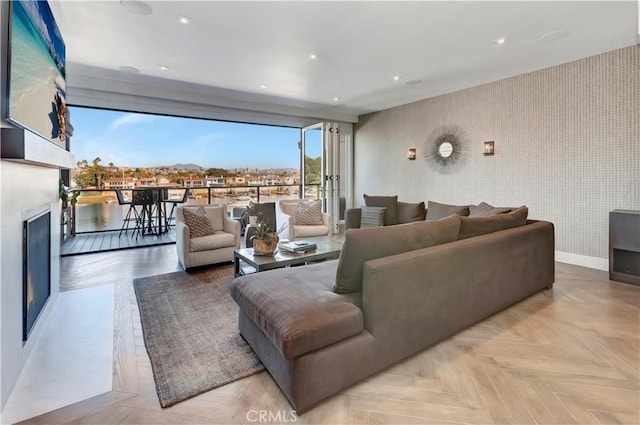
[[413, 82], [183, 20], [336, 99], [130, 69], [554, 35], [163, 67], [136, 6], [500, 40], [264, 86], [396, 77], [313, 56]]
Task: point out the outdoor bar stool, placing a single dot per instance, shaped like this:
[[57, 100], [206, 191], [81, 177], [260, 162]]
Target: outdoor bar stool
[[174, 204], [146, 199], [128, 218]]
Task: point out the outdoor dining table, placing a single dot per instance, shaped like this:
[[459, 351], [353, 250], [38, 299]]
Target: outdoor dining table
[[147, 197]]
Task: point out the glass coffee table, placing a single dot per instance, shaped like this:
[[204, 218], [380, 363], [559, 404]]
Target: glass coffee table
[[327, 249]]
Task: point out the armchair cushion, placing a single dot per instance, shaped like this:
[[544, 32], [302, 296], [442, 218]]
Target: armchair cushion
[[309, 213], [389, 202], [198, 222], [216, 240]]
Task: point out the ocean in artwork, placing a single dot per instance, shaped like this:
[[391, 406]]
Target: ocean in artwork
[[37, 70]]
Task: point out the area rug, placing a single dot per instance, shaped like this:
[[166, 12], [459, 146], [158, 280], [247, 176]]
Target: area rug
[[190, 326]]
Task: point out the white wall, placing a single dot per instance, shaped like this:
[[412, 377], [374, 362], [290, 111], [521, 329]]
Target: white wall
[[567, 146], [22, 187]]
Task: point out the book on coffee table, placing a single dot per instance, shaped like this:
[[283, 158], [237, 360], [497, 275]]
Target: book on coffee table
[[298, 246]]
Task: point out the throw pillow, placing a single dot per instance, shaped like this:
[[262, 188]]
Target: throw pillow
[[483, 210], [309, 213], [372, 216], [408, 213], [476, 226], [389, 202], [362, 245], [198, 222], [436, 211]]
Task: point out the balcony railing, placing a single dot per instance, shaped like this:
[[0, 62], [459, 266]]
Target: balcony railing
[[98, 210]]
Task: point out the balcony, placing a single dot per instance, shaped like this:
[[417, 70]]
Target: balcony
[[98, 217]]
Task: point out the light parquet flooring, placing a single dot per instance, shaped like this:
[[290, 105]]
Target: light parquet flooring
[[569, 355]]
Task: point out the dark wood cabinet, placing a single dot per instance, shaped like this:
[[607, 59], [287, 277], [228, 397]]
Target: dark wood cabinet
[[624, 246]]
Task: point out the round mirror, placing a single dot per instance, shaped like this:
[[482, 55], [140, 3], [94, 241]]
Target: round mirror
[[445, 149]]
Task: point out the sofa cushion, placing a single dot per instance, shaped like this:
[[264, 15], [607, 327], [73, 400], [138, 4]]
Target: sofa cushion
[[389, 202], [436, 211], [289, 208], [361, 245], [476, 226], [408, 213], [372, 216], [198, 221], [296, 309], [216, 240], [483, 210], [309, 213]]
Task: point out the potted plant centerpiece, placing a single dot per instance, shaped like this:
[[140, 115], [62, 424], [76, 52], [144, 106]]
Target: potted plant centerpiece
[[265, 241]]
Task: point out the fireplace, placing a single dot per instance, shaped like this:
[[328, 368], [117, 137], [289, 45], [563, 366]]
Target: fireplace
[[36, 276]]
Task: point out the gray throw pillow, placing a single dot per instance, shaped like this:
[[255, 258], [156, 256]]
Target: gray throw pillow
[[436, 211], [408, 213], [361, 245], [372, 216], [483, 210], [198, 222], [476, 226], [389, 202]]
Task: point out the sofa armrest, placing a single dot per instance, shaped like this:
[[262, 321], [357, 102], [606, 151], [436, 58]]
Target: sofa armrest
[[232, 226], [352, 218], [326, 220]]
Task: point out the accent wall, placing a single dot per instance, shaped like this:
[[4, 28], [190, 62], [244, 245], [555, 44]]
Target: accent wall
[[567, 145]]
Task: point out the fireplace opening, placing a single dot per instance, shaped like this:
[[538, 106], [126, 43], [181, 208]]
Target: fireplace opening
[[36, 276]]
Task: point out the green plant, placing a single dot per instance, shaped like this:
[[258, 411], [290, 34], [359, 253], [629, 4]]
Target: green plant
[[264, 233], [67, 195]]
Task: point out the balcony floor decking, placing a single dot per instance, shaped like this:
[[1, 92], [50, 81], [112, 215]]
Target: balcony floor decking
[[86, 243]]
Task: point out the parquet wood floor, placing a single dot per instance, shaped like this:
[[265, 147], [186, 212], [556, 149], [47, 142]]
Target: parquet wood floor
[[569, 355]]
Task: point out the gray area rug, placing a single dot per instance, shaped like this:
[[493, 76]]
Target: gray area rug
[[190, 326]]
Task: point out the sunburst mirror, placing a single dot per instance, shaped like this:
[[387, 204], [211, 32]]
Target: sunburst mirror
[[446, 146]]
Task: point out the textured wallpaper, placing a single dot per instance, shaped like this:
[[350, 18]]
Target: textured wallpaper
[[567, 142]]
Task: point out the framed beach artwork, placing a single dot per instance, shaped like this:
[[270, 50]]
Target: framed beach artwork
[[37, 71]]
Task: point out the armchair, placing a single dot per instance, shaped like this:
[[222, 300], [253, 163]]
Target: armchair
[[286, 212], [217, 247]]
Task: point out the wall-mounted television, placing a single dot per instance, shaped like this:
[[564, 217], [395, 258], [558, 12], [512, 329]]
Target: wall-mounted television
[[37, 71]]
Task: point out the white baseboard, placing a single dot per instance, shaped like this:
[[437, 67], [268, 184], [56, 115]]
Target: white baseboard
[[583, 260]]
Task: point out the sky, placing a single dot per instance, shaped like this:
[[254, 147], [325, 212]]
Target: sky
[[145, 140]]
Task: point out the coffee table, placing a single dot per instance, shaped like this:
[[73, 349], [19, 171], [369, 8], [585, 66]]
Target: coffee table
[[327, 249]]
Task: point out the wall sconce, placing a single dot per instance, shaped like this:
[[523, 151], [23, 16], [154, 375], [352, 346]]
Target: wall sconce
[[489, 148], [411, 154]]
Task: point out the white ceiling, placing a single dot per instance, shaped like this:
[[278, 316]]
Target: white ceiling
[[235, 47]]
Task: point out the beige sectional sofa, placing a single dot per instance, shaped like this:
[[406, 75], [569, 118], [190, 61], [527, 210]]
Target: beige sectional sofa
[[395, 291]]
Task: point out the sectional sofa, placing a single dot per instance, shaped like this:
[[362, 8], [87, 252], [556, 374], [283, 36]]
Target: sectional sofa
[[395, 291]]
